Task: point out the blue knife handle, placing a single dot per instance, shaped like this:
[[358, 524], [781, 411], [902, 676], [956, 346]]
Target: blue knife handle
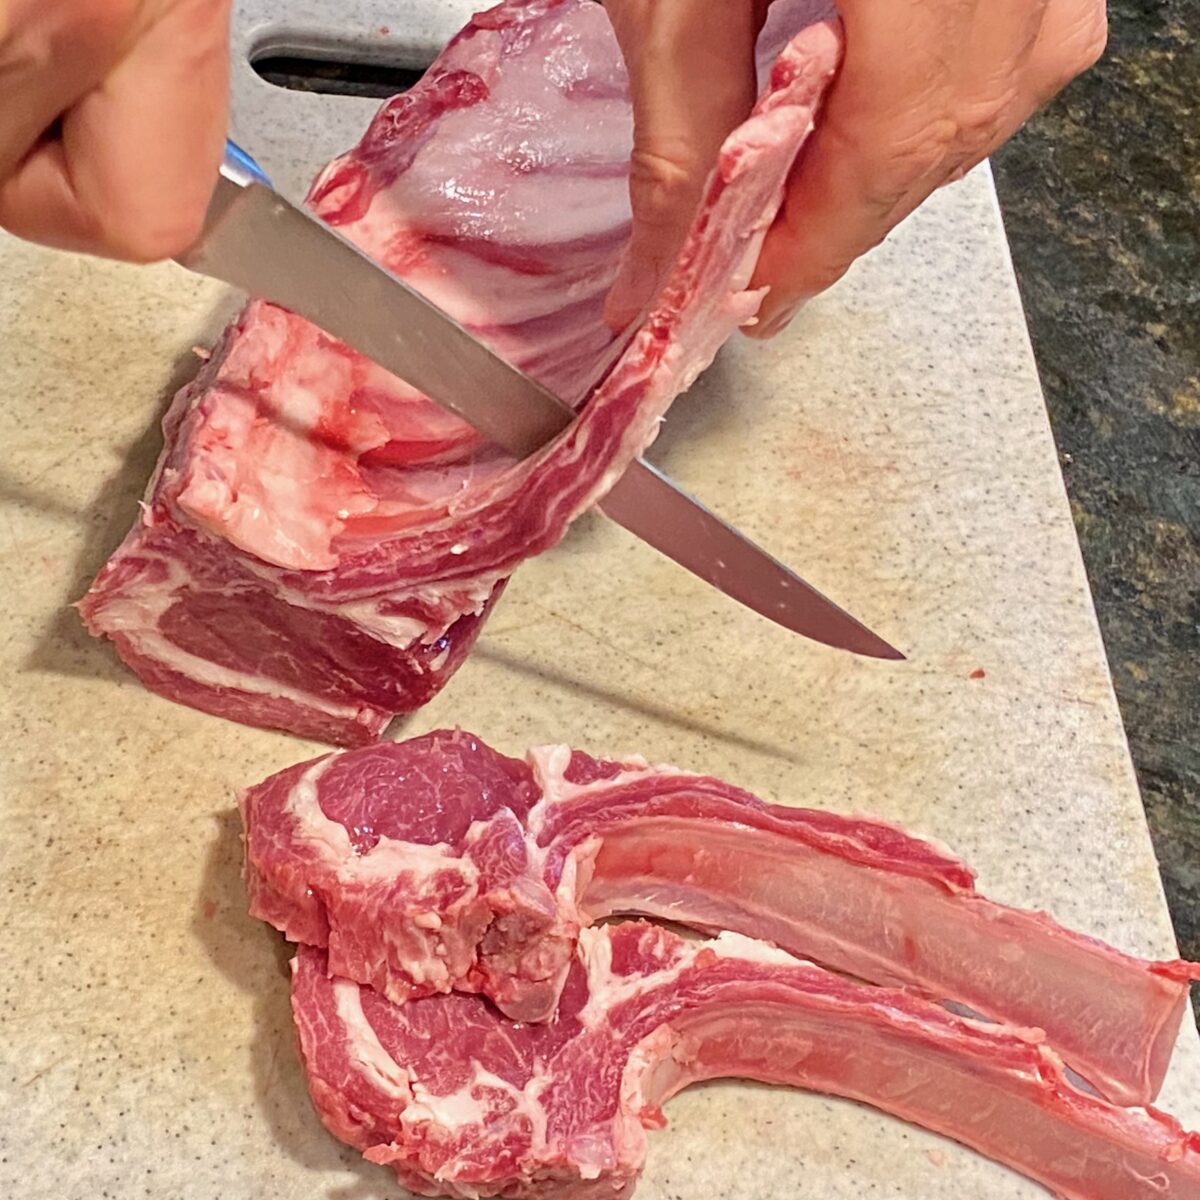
[[240, 168]]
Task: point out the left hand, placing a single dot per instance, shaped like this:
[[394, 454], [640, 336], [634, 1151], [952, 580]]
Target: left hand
[[112, 121]]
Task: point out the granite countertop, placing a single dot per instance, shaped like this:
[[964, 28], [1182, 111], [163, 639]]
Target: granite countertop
[[1101, 199]]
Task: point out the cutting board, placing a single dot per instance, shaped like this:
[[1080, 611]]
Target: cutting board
[[893, 446]]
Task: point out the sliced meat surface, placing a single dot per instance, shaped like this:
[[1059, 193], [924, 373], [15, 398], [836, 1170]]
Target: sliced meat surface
[[438, 864], [460, 1102], [320, 543]]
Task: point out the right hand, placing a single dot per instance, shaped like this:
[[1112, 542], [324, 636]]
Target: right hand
[[112, 121]]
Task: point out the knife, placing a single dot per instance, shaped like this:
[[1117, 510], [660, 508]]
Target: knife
[[257, 241]]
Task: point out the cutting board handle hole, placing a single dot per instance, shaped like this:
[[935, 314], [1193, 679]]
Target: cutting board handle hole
[[334, 70]]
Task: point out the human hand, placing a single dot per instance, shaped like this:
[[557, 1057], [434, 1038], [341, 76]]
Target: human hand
[[927, 89], [112, 121]]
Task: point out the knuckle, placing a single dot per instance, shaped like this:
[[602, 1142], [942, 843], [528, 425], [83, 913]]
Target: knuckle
[[830, 272], [983, 123], [661, 185], [88, 229]]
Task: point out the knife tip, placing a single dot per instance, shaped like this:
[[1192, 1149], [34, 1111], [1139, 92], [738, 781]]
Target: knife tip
[[873, 646]]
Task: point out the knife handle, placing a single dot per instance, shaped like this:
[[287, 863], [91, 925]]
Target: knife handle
[[240, 168]]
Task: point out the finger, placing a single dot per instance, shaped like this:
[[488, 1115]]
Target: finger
[[878, 148], [1072, 38], [132, 179], [1009, 61], [692, 80], [51, 54]]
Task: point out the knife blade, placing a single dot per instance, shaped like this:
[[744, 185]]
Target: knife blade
[[257, 241]]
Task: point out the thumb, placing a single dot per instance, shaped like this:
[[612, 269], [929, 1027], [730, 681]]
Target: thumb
[[691, 81]]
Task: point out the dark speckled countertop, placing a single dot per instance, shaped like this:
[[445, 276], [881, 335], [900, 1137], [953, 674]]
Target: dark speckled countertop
[[1101, 198]]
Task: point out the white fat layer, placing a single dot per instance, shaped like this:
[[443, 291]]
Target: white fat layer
[[364, 1047], [389, 858], [398, 631], [461, 1108], [535, 1110], [577, 872], [311, 825], [138, 618], [452, 1111], [549, 765], [639, 1068], [650, 1074], [737, 945], [607, 989], [469, 595], [158, 648]]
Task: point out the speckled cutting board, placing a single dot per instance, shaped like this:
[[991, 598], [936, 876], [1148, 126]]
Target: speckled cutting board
[[894, 446]]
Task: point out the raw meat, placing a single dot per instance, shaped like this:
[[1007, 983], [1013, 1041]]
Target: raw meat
[[460, 1102], [320, 543], [438, 864]]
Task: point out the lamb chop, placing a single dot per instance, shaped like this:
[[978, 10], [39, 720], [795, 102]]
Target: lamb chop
[[461, 1102], [438, 865]]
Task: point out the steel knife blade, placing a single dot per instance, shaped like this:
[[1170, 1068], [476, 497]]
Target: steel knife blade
[[258, 241]]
